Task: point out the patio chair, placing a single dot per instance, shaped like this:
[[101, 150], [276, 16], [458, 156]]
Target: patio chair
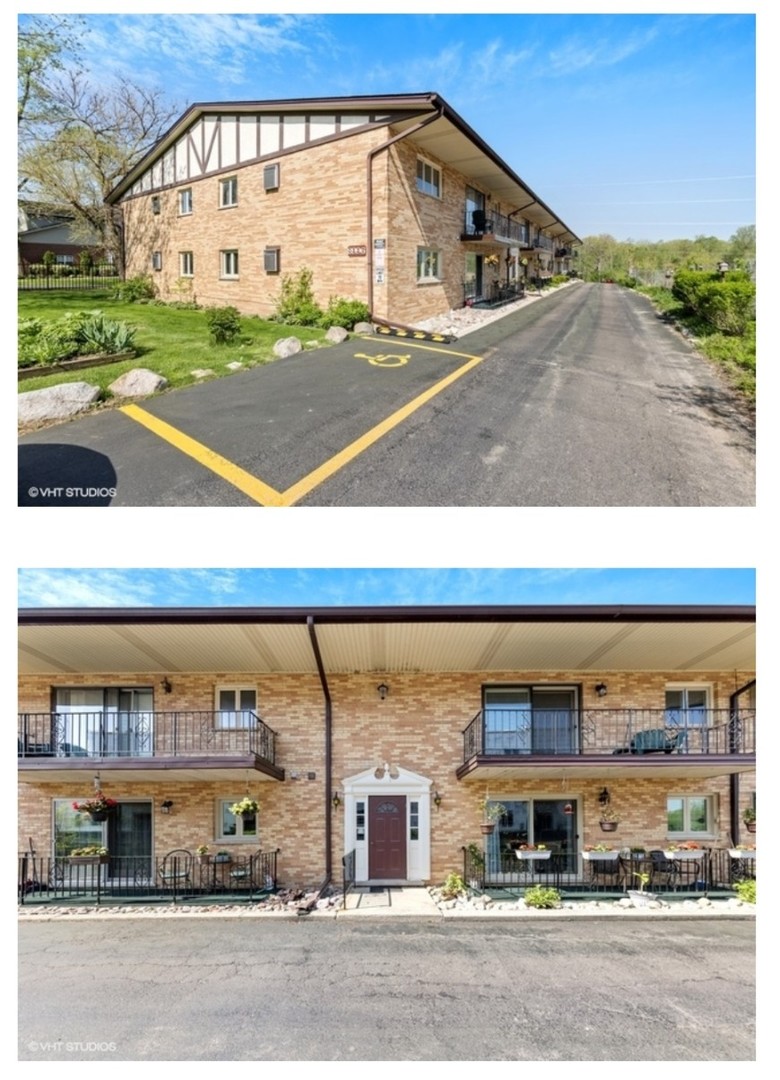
[[608, 871], [176, 869], [480, 222], [246, 873], [663, 871]]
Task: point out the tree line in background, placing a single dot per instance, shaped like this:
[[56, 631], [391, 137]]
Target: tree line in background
[[603, 258]]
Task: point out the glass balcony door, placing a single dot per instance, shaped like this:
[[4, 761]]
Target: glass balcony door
[[104, 722], [526, 720]]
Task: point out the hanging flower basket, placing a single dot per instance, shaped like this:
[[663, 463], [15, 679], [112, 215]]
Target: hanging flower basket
[[98, 807], [608, 826], [247, 808], [487, 827]]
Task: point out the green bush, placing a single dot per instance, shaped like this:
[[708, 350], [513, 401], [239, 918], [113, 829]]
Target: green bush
[[727, 305], [540, 896], [85, 261], [224, 324], [342, 312], [453, 886], [746, 890], [80, 333], [296, 305], [135, 289], [48, 259], [101, 335]]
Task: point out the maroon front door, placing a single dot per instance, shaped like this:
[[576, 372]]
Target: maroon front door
[[387, 837]]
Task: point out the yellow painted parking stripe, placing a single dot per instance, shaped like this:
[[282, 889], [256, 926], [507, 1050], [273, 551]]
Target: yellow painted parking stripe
[[234, 474], [338, 461]]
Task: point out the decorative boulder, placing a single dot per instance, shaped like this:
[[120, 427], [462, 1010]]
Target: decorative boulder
[[137, 383], [336, 335], [56, 402], [287, 346], [363, 328]]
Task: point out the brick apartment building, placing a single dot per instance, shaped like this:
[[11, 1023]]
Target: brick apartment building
[[394, 201], [379, 731]]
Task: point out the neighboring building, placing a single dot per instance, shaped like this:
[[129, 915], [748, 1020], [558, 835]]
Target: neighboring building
[[393, 200], [380, 730], [42, 229]]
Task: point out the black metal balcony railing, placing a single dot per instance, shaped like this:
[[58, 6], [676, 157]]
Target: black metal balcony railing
[[543, 243], [173, 877], [553, 732], [714, 870], [492, 294], [479, 223], [144, 734]]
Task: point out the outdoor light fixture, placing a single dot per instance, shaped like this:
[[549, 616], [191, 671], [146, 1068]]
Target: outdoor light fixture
[[603, 797], [336, 800], [437, 799], [383, 690], [601, 689], [166, 685], [568, 808], [166, 806]]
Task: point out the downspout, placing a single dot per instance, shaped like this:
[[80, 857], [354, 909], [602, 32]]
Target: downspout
[[328, 745], [734, 778], [370, 196]]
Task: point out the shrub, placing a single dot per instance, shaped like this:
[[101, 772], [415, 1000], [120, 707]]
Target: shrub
[[453, 886], [48, 259], [82, 332], [224, 324], [135, 289], [85, 261], [342, 312], [296, 304], [540, 896], [746, 890], [101, 335], [727, 305]]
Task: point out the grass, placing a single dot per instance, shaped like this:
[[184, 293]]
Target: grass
[[172, 342], [736, 356]]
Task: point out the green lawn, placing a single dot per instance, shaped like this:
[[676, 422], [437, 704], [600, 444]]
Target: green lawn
[[169, 341]]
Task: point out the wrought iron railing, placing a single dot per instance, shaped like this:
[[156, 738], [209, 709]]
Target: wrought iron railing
[[37, 276], [543, 732], [177, 876], [478, 223], [144, 734], [347, 874], [492, 293], [706, 870]]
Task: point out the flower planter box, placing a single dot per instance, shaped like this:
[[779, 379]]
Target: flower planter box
[[735, 853], [683, 855], [600, 856], [532, 854], [87, 860]]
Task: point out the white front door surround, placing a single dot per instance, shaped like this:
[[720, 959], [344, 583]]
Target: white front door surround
[[385, 780]]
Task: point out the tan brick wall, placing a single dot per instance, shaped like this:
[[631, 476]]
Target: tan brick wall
[[318, 212], [418, 727]]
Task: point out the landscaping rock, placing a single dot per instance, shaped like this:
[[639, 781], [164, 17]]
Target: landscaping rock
[[201, 373], [363, 328], [336, 335], [137, 383], [56, 402], [235, 365], [287, 346]]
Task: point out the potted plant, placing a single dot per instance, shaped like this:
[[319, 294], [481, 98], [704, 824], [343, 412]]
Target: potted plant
[[246, 808], [98, 807], [491, 812], [749, 818], [223, 857], [476, 863], [608, 821], [532, 851], [92, 855], [639, 896], [202, 851], [599, 852], [743, 851], [688, 850]]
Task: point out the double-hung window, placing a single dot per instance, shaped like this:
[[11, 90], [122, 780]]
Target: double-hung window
[[236, 707], [428, 178], [428, 264], [185, 201], [228, 192], [186, 264], [228, 264]]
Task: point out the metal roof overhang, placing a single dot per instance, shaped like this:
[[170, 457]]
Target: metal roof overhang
[[386, 640], [449, 138]]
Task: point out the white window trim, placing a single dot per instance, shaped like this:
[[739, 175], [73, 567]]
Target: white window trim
[[438, 170], [686, 833], [224, 273], [432, 279], [184, 191], [239, 838], [235, 689], [224, 187], [182, 271]]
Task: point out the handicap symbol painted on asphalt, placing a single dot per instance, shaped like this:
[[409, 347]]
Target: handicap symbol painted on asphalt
[[385, 359]]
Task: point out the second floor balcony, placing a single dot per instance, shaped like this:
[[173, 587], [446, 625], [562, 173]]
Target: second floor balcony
[[72, 742], [489, 225], [589, 742]]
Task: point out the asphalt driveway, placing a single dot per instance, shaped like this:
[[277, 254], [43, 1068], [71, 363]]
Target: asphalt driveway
[[585, 398], [216, 989]]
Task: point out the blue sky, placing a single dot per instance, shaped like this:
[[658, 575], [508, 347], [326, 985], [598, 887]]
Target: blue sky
[[230, 587], [637, 125]]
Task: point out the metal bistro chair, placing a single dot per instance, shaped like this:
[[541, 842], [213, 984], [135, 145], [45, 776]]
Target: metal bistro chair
[[661, 867], [176, 870], [608, 871], [245, 875]]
